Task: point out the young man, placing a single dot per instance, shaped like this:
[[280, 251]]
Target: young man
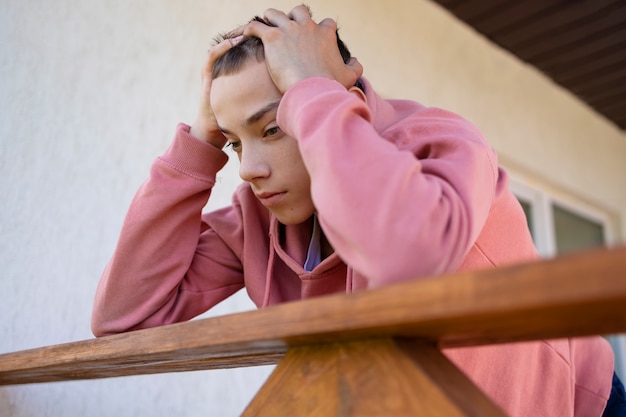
[[343, 191]]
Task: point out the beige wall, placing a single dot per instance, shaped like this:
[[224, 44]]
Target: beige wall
[[90, 93]]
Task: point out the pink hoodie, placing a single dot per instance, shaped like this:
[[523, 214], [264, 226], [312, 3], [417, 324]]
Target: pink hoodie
[[402, 191]]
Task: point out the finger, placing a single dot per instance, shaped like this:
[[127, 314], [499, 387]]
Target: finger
[[218, 51], [300, 13], [276, 17], [235, 40], [224, 46], [355, 66], [236, 32], [256, 29], [350, 78], [329, 23]]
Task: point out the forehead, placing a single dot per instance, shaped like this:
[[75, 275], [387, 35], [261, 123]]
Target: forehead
[[237, 96]]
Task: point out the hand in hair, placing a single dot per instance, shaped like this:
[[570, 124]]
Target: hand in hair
[[205, 126], [297, 48]]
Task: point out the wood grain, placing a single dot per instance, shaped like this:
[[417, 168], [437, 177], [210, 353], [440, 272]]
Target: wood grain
[[375, 377]]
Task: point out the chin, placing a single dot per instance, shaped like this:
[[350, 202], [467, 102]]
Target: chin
[[293, 218]]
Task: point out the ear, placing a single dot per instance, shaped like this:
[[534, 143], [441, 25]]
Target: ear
[[358, 92]]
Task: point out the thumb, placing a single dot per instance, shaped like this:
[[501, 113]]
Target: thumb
[[356, 67], [329, 23], [256, 29]]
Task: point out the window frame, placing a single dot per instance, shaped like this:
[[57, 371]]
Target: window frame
[[542, 200]]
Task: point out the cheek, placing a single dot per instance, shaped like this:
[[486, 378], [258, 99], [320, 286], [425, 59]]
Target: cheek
[[299, 172], [292, 151]]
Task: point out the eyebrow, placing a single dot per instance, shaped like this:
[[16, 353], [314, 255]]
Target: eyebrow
[[256, 116]]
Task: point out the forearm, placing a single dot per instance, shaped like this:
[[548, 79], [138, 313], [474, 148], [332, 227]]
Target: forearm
[[158, 239], [407, 205]]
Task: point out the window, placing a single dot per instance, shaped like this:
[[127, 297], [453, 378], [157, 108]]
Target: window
[[559, 223]]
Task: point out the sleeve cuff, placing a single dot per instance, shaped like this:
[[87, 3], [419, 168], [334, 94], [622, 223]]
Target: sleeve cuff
[[192, 156]]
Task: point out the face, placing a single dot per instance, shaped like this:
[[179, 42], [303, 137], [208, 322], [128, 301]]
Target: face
[[245, 106]]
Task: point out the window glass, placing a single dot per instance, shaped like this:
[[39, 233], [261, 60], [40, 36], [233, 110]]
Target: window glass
[[574, 232]]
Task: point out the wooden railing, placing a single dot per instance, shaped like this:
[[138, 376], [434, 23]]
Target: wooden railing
[[343, 355]]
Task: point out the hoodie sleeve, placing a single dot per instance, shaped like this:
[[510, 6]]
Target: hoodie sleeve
[[165, 248], [401, 198]]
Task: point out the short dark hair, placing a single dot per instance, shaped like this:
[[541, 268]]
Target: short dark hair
[[252, 47]]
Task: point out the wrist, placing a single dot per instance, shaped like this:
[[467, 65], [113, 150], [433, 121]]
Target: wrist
[[211, 136]]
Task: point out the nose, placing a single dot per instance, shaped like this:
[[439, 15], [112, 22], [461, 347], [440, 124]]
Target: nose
[[253, 165]]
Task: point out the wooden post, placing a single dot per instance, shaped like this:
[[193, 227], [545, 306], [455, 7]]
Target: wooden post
[[376, 377]]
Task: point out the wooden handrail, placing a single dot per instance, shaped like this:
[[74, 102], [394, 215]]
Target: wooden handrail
[[574, 295], [397, 330]]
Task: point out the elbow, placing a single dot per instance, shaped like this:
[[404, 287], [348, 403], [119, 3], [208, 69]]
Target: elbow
[[97, 324], [100, 327], [103, 328]]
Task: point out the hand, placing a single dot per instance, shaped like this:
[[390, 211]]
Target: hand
[[205, 126], [298, 48]]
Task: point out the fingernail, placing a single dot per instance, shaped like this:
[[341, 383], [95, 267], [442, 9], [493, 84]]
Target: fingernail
[[234, 41]]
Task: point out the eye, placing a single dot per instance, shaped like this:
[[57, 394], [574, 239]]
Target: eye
[[272, 131], [235, 145]]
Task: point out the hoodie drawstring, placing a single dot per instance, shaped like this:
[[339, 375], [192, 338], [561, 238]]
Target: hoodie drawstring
[[270, 270]]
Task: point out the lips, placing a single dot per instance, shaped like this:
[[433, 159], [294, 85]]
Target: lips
[[269, 199]]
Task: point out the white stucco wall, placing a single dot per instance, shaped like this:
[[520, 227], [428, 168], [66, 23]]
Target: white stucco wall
[[90, 93]]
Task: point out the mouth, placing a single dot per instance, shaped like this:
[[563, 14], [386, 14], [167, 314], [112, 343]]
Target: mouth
[[269, 199]]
